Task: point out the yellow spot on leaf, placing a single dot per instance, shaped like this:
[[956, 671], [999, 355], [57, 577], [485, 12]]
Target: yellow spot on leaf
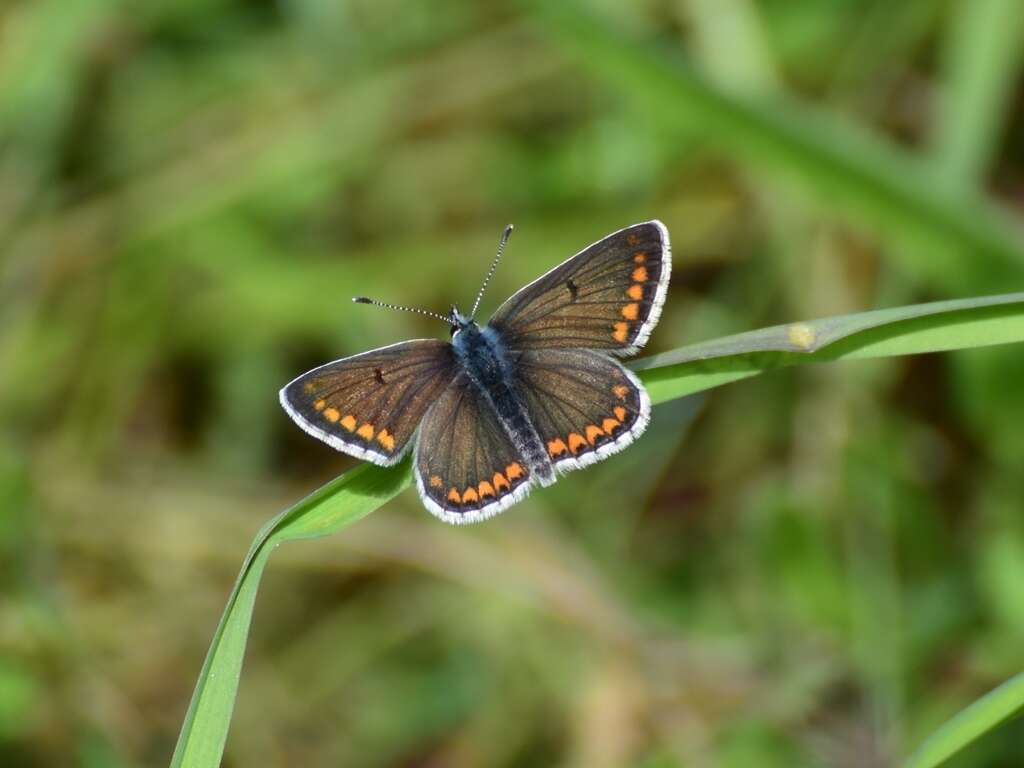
[[631, 311], [349, 422], [366, 431], [802, 335], [332, 415]]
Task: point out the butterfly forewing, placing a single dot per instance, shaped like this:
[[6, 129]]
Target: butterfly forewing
[[584, 406], [607, 297], [369, 405], [466, 466]]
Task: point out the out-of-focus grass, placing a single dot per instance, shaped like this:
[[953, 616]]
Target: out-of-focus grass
[[820, 566]]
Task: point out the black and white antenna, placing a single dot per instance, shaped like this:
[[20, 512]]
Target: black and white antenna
[[385, 305], [494, 266]]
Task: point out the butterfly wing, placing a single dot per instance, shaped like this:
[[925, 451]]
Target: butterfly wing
[[467, 468], [369, 405], [608, 296], [584, 405]]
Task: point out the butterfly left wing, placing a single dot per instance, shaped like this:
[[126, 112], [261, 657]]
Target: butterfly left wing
[[369, 405], [607, 297], [584, 405], [467, 468]]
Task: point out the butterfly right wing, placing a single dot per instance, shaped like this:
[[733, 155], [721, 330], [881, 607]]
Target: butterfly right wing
[[585, 406], [369, 405], [606, 297], [467, 468]]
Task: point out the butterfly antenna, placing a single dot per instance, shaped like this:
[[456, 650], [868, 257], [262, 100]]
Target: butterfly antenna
[[427, 312], [494, 266]]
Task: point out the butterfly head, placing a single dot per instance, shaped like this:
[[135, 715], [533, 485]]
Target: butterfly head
[[458, 321]]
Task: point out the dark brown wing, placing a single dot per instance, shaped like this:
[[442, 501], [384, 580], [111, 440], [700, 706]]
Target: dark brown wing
[[466, 466], [369, 405], [608, 296], [584, 406]]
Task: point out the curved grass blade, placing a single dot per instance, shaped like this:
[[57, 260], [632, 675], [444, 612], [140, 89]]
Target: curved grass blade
[[992, 709], [337, 504], [933, 327]]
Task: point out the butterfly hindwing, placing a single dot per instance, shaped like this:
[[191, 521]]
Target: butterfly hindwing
[[608, 296], [584, 405], [467, 468], [369, 405]]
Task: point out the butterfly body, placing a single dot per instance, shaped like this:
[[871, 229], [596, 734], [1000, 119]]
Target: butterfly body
[[488, 363], [508, 406]]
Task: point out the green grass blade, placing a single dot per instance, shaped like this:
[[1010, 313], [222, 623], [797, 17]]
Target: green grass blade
[[913, 329], [970, 724], [940, 236], [335, 505]]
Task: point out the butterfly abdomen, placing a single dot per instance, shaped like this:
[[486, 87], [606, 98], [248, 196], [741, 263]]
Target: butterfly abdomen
[[485, 359]]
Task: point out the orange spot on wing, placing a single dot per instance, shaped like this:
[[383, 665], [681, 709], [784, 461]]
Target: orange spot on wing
[[332, 415], [556, 447], [349, 422], [593, 432], [621, 332], [435, 481], [609, 425], [514, 471], [319, 405], [639, 257], [485, 489], [632, 239], [631, 311], [469, 495], [620, 413], [365, 431], [576, 441], [639, 274], [454, 497], [500, 483], [386, 439], [620, 390], [635, 292]]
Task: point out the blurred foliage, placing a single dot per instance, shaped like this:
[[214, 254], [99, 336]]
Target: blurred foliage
[[817, 566]]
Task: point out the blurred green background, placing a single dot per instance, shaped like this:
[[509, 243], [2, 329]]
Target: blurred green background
[[814, 567]]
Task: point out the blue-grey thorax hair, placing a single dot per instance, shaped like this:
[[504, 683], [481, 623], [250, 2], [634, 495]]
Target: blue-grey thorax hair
[[486, 360]]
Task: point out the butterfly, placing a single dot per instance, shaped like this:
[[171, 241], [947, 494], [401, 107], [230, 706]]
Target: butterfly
[[508, 406]]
